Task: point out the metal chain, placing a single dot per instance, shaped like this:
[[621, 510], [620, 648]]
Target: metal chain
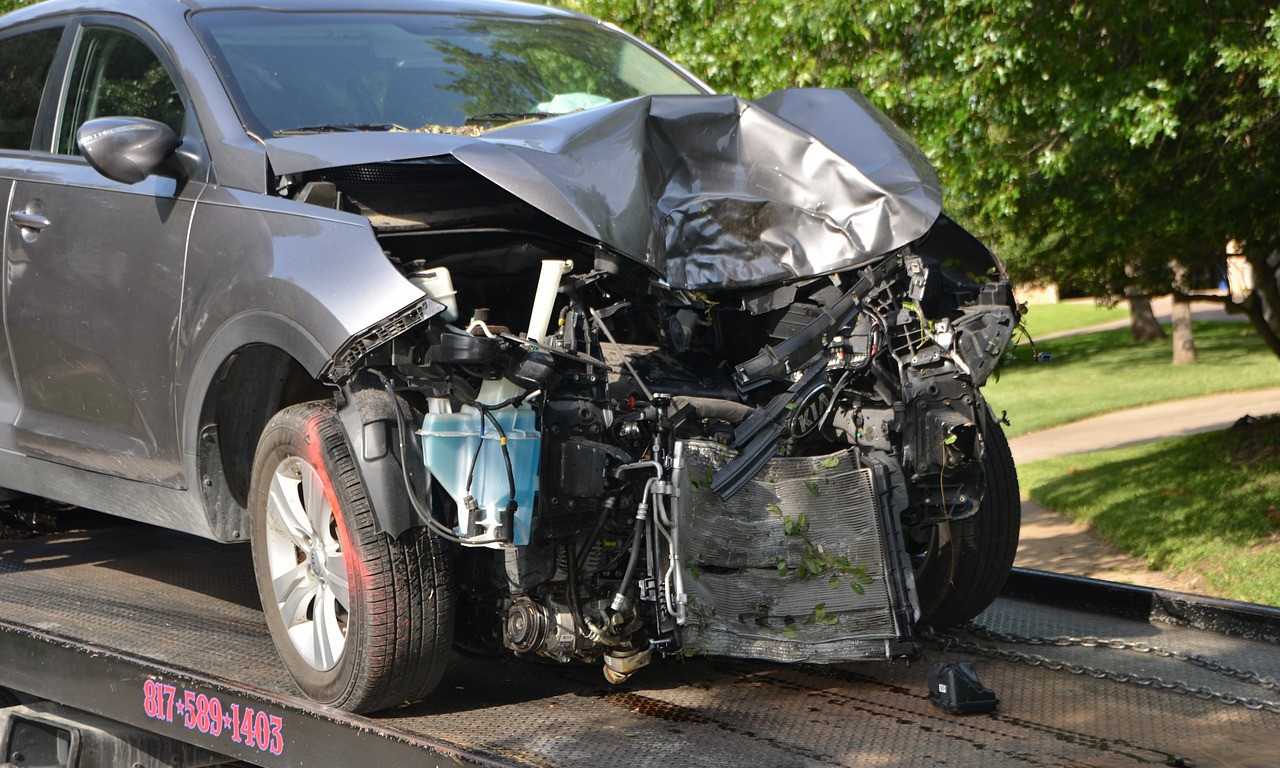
[[1087, 641], [952, 642]]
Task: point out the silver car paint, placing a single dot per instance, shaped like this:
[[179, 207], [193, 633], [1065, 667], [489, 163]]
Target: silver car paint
[[262, 270], [251, 260], [95, 381], [711, 192]]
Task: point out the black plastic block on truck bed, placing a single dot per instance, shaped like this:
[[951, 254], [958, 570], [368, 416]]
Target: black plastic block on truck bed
[[144, 626]]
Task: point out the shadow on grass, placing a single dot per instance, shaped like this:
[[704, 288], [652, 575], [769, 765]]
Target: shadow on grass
[[1206, 502]]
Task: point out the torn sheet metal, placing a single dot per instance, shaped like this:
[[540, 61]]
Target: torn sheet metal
[[709, 191]]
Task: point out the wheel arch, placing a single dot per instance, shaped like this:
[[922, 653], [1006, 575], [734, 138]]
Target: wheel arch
[[257, 365]]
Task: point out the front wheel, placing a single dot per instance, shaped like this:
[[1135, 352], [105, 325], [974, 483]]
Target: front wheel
[[362, 621], [961, 566]]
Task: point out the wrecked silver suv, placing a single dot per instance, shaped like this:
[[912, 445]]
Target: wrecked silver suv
[[488, 325]]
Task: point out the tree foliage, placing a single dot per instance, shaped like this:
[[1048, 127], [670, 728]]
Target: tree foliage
[[1078, 137]]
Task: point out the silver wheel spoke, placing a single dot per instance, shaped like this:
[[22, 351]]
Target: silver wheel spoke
[[336, 578], [290, 581], [326, 633], [284, 505], [293, 608]]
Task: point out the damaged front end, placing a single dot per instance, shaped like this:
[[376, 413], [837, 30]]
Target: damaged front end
[[690, 375]]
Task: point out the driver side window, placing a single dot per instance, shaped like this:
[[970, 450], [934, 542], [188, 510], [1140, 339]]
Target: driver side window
[[116, 74]]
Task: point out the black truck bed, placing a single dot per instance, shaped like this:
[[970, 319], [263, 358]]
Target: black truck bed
[[123, 620]]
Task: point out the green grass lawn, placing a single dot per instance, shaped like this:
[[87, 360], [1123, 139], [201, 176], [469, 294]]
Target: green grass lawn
[[1206, 504], [1041, 319], [1099, 372]]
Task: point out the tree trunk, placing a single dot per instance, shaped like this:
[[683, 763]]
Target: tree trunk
[[1184, 341], [1263, 305], [1142, 321]]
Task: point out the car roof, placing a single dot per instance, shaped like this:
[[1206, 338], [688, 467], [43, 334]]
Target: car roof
[[145, 9], [504, 7]]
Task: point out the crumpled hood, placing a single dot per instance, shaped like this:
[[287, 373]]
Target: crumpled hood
[[709, 191]]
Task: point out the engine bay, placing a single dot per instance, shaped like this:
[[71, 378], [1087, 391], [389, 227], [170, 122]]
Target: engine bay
[[633, 470]]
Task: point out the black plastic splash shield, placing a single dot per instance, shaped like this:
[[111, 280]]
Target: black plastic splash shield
[[709, 191]]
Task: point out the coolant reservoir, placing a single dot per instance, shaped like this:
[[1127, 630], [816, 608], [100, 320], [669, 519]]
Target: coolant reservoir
[[438, 284]]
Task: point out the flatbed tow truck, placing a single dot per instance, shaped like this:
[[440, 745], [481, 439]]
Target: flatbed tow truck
[[123, 644]]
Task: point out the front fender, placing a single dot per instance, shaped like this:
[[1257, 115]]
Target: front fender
[[321, 270], [264, 271]]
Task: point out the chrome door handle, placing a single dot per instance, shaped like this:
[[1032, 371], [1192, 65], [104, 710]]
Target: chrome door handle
[[30, 220]]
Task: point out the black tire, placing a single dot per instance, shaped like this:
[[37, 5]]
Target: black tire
[[391, 642], [961, 567]]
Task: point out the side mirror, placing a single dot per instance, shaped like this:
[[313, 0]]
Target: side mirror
[[129, 149]]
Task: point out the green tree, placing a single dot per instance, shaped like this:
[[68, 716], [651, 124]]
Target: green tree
[[1084, 140]]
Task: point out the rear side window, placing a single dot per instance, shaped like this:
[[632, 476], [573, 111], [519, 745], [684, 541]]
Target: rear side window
[[24, 65]]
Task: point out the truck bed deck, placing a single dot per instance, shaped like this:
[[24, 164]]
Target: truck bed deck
[[124, 620]]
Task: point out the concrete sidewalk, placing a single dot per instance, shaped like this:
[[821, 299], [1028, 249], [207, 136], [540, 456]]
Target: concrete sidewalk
[[1051, 542], [1145, 424]]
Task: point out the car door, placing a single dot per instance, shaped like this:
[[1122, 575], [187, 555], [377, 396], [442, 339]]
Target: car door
[[26, 59], [94, 272]]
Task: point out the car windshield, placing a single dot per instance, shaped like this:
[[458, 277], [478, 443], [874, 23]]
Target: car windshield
[[294, 73]]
